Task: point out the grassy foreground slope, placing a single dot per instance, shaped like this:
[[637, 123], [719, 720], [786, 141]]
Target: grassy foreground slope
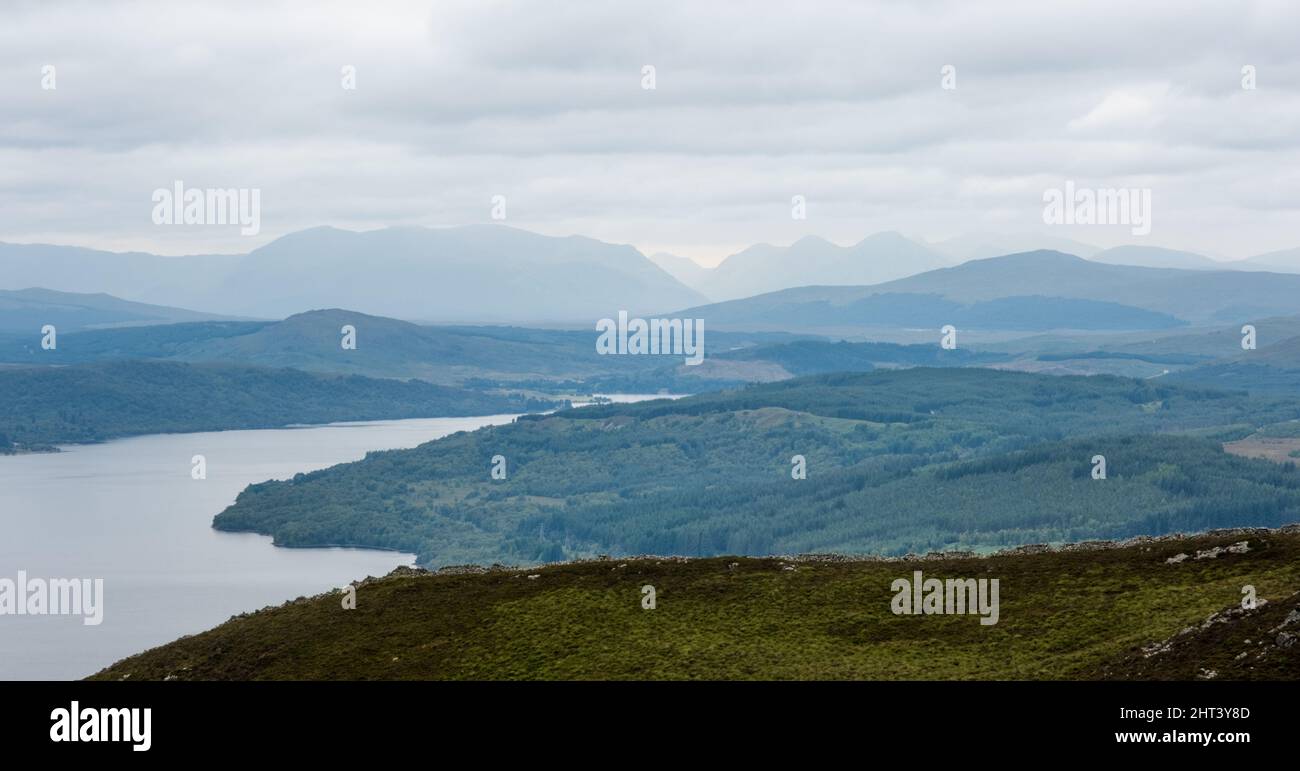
[[1076, 613]]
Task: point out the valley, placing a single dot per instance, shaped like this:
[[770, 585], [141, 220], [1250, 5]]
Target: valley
[[819, 420]]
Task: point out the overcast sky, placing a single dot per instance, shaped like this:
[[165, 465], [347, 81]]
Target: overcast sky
[[754, 103]]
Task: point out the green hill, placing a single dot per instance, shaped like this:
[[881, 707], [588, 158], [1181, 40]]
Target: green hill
[[1077, 613], [93, 402], [903, 460], [451, 355]]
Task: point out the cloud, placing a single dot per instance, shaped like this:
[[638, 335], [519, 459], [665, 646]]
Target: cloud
[[755, 102]]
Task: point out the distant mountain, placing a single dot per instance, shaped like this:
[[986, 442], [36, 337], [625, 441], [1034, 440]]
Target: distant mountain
[[979, 246], [812, 260], [486, 273], [150, 278], [1195, 296], [1033, 291], [27, 310], [1283, 261], [684, 269], [543, 358], [1156, 257], [473, 273], [390, 348]]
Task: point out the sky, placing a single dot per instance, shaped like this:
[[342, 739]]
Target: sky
[[545, 104]]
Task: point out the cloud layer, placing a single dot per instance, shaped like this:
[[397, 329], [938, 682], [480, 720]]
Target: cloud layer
[[754, 103]]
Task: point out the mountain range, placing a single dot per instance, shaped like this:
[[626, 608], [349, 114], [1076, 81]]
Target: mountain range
[[1032, 291], [496, 274], [472, 273], [812, 260]]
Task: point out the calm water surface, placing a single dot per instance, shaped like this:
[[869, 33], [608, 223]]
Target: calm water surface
[[128, 512]]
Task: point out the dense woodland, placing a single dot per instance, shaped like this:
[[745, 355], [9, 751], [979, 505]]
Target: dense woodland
[[897, 461], [42, 406]]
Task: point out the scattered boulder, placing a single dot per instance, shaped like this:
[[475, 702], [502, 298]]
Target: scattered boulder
[[1240, 547]]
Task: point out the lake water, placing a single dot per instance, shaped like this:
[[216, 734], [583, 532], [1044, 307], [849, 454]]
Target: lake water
[[128, 512]]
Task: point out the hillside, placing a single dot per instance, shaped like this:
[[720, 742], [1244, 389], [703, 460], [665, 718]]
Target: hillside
[[1077, 613], [26, 311], [93, 402], [939, 458], [1281, 261], [545, 358], [1034, 291], [770, 362], [980, 246], [1157, 257]]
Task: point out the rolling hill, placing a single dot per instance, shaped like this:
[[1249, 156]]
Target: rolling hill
[[41, 406], [385, 347], [1034, 291], [1091, 612], [940, 458], [1275, 368], [25, 311], [980, 246], [1156, 257], [1281, 261]]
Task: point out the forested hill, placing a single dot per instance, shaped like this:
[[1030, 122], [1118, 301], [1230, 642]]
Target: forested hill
[[93, 402], [896, 461]]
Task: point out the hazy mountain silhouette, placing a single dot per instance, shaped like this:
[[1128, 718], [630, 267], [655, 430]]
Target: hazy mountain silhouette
[[1157, 257], [148, 278], [980, 246], [472, 273], [813, 260], [1282, 261], [27, 310], [1019, 291], [684, 269]]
